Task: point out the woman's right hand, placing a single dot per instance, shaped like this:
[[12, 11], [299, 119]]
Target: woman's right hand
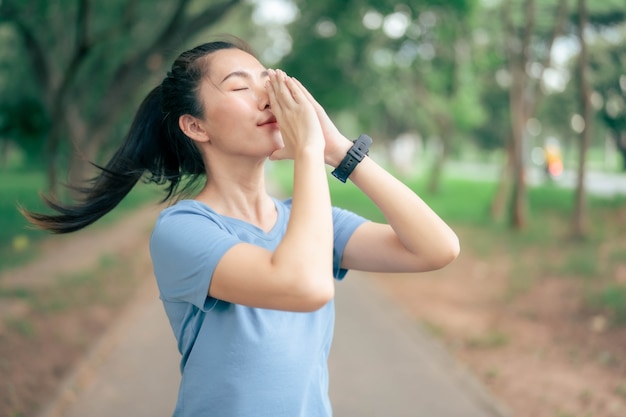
[[284, 279], [297, 119]]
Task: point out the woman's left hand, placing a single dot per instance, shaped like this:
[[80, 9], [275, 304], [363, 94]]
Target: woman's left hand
[[337, 145]]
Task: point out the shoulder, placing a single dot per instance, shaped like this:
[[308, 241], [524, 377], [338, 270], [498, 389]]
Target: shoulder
[[186, 208], [186, 213], [189, 231], [185, 220]]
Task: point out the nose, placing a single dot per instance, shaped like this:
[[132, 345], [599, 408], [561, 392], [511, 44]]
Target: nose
[[263, 97]]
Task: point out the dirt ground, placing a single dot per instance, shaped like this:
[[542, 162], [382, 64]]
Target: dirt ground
[[54, 310], [539, 351]]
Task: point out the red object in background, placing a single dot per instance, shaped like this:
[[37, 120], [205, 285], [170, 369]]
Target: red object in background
[[555, 168]]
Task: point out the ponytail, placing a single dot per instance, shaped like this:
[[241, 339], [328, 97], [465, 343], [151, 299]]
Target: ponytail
[[114, 181], [155, 146]]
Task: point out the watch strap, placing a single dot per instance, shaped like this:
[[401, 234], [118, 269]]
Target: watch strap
[[357, 152]]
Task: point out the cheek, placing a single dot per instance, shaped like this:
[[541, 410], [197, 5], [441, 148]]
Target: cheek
[[220, 118], [229, 109]]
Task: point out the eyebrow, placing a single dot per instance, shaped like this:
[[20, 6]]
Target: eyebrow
[[243, 74]]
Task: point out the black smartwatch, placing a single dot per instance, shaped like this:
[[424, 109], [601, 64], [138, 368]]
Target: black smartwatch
[[357, 152]]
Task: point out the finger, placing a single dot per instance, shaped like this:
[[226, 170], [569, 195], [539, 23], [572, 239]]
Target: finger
[[272, 92], [305, 92], [294, 89], [302, 88], [282, 95], [286, 85], [282, 91]]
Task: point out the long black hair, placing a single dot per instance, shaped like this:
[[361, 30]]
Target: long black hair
[[155, 148]]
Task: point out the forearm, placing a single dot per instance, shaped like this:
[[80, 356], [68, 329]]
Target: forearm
[[308, 240], [418, 228]]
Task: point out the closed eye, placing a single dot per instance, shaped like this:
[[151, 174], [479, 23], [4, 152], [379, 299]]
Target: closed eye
[[240, 89]]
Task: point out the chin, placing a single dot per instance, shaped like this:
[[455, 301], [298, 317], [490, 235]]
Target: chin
[[278, 141]]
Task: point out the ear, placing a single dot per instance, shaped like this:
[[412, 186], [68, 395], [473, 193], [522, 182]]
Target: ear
[[193, 127]]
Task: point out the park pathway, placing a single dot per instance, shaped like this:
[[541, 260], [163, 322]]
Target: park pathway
[[381, 365]]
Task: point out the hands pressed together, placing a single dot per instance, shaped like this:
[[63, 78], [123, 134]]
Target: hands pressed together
[[303, 122]]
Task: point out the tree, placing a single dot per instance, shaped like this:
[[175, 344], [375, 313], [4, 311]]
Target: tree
[[91, 58], [578, 223], [527, 45], [389, 68], [606, 63], [22, 116], [601, 18], [452, 92]]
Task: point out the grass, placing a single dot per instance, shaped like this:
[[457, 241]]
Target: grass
[[543, 249], [491, 340], [22, 326], [612, 298], [107, 283], [18, 238]]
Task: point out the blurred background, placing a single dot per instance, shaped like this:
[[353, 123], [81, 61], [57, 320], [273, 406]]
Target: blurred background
[[508, 116]]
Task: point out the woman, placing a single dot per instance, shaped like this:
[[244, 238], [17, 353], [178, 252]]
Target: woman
[[247, 281]]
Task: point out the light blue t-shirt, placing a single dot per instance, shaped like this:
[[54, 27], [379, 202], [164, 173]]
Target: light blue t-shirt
[[239, 361]]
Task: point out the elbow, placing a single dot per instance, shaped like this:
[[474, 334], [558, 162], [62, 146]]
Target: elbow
[[315, 292], [319, 300], [446, 254], [452, 253]]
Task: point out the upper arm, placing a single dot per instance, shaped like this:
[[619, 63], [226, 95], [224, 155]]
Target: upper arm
[[375, 247], [246, 274], [195, 259]]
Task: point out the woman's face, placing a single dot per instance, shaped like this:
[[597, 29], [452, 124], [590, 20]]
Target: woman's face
[[236, 106]]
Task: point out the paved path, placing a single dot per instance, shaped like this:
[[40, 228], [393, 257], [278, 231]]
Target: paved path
[[381, 365]]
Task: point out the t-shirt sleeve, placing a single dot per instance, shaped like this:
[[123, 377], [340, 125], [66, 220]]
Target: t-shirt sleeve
[[185, 248], [344, 223]]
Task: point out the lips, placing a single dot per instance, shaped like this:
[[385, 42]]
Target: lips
[[269, 120]]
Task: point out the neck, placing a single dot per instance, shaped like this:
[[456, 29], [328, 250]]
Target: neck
[[239, 191]]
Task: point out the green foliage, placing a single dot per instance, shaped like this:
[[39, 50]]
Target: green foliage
[[23, 118], [606, 13], [392, 82], [78, 70]]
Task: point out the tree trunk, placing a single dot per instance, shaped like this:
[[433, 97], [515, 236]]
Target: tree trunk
[[51, 156], [518, 59], [579, 226], [445, 133], [60, 82], [518, 121], [524, 97], [82, 153], [620, 145], [4, 153], [503, 191]]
